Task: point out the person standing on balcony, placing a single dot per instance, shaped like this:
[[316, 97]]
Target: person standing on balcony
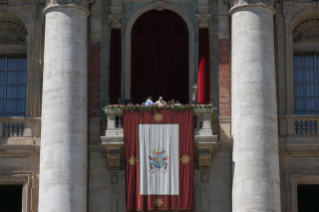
[[149, 101]]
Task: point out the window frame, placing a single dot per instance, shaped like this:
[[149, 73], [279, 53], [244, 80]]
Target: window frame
[[16, 84], [304, 82]]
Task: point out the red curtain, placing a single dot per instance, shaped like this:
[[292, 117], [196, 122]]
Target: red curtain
[[203, 69], [159, 58], [185, 200], [115, 66]]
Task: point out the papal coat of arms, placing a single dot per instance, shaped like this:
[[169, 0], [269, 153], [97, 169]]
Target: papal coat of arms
[[158, 160]]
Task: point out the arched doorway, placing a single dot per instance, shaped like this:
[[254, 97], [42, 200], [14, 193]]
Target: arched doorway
[[160, 57]]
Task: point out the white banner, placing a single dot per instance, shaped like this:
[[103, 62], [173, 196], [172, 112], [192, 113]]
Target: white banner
[[159, 159]]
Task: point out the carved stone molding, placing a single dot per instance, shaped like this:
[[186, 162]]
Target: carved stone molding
[[235, 3], [203, 20], [80, 3], [114, 184], [295, 178], [116, 21], [159, 4], [204, 184], [205, 151], [307, 31], [12, 33]]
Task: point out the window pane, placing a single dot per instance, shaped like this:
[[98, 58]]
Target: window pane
[[1, 92], [2, 63], [20, 106], [298, 75], [309, 61], [317, 62], [22, 76], [11, 77], [21, 92], [10, 107], [310, 89], [298, 61], [311, 112], [11, 92], [310, 104], [22, 64], [2, 76], [299, 89], [12, 64], [1, 106], [310, 75], [299, 104]]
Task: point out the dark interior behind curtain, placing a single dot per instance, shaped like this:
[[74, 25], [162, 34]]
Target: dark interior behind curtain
[[159, 57]]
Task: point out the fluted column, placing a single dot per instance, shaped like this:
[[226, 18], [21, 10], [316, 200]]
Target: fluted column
[[203, 21], [256, 183], [116, 22], [63, 160]]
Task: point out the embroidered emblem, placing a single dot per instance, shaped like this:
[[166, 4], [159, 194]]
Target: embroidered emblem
[[158, 117], [158, 202], [158, 160], [132, 160], [185, 159]]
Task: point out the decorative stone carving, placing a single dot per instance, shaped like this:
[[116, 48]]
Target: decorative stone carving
[[204, 178], [307, 31], [12, 33], [114, 157], [159, 4], [81, 3], [114, 183], [116, 21], [203, 20], [204, 158], [235, 3]]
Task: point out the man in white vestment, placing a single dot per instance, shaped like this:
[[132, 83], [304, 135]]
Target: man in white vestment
[[160, 102], [149, 101]]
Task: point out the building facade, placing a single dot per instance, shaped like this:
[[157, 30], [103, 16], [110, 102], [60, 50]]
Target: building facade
[[62, 61]]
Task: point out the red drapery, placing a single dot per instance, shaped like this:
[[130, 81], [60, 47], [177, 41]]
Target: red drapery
[[159, 58], [185, 200], [115, 66], [203, 70]]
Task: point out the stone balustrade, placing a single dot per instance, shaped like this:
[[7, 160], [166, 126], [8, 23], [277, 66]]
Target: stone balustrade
[[20, 135], [206, 143], [298, 134]]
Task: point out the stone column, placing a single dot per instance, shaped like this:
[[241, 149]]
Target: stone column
[[256, 183], [63, 160], [116, 21], [203, 21]]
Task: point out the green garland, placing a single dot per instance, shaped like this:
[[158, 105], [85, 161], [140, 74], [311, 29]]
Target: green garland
[[158, 108]]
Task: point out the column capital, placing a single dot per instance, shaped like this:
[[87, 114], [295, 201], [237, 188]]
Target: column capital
[[237, 3], [116, 21], [80, 3], [203, 20]]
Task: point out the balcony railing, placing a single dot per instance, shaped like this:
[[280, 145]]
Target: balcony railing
[[19, 135], [205, 140], [298, 134]]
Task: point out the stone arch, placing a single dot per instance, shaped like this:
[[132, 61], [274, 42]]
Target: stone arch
[[128, 31], [12, 30], [303, 16], [307, 31]]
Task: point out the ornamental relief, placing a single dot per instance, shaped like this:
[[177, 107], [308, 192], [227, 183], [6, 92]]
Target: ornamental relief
[[81, 3], [307, 31], [12, 33]]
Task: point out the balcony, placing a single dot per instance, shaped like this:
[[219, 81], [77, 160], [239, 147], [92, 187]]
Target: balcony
[[206, 143], [298, 135], [19, 135]]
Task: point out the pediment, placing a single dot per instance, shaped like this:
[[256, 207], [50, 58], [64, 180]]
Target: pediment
[[307, 31]]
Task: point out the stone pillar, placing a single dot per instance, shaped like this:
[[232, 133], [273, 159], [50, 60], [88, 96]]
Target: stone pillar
[[256, 183], [63, 160], [116, 22], [203, 21]]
